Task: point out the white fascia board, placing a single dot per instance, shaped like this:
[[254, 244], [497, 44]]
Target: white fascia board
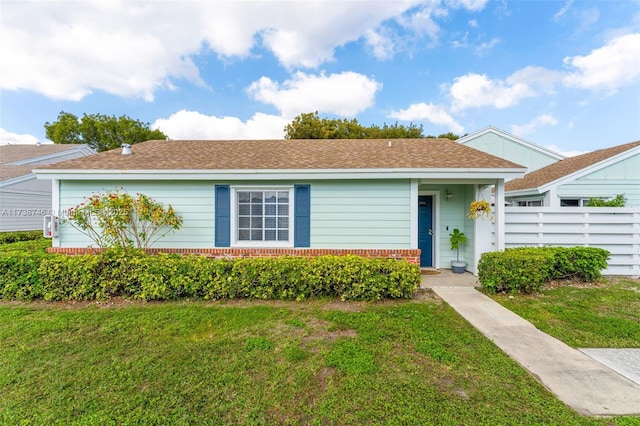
[[590, 169], [523, 192], [17, 179], [516, 139], [316, 174], [84, 149]]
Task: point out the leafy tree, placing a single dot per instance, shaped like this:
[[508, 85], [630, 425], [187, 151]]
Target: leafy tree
[[117, 219], [618, 201], [100, 132], [311, 126], [449, 135]]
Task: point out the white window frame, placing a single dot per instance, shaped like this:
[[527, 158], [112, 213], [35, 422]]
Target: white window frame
[[234, 216], [581, 201], [540, 200]]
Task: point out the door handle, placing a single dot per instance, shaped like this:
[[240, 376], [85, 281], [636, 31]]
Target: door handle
[[430, 232]]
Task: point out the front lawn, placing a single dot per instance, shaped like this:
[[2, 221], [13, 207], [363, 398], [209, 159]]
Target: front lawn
[[605, 314], [246, 362]]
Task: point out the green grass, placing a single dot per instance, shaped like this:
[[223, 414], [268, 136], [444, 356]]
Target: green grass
[[317, 362], [601, 315]]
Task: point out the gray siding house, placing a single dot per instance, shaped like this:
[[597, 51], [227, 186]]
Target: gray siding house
[[24, 200]]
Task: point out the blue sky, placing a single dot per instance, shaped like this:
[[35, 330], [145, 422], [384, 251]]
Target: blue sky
[[562, 74]]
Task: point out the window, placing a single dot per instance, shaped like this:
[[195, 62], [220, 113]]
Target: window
[[262, 216], [573, 202], [530, 203]]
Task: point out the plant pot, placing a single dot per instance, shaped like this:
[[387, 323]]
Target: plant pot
[[458, 267]]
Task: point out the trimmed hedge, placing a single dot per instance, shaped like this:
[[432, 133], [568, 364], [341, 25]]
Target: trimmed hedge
[[526, 269], [133, 274], [15, 236]]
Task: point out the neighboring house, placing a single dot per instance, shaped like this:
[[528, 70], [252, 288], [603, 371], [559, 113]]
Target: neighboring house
[[573, 181], [24, 200], [505, 145], [376, 198]]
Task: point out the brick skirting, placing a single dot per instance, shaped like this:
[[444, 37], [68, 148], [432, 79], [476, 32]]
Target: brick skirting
[[411, 255]]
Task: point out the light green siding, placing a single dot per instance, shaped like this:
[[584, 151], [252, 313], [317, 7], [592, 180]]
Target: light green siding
[[361, 214], [506, 148], [193, 201], [622, 177], [452, 215], [344, 214]]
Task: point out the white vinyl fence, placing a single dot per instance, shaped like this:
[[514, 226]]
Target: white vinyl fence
[[610, 228]]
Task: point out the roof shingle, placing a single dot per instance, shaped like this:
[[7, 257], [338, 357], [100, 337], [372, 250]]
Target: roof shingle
[[29, 157], [12, 153], [566, 167], [290, 155]]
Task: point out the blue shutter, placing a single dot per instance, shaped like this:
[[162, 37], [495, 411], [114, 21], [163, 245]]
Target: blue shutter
[[223, 216], [302, 214]]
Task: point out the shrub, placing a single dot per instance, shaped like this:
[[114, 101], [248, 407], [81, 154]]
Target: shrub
[[134, 274], [578, 263], [526, 269], [513, 271], [13, 237], [19, 277], [618, 201], [117, 219], [32, 246]]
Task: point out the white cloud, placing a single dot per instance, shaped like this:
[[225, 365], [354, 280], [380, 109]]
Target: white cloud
[[436, 114], [67, 50], [542, 120], [344, 94], [381, 44], [559, 14], [470, 5], [559, 150], [10, 138], [478, 90], [462, 42], [194, 125], [608, 68], [484, 47]]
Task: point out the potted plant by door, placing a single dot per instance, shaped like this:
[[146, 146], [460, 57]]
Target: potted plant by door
[[457, 239]]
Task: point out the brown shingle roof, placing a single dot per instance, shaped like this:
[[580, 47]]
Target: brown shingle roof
[[11, 153], [14, 153], [566, 167], [289, 154], [10, 172]]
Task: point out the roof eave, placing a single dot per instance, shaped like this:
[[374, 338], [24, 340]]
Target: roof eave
[[16, 179], [523, 192], [82, 148], [297, 174], [491, 129], [589, 169]]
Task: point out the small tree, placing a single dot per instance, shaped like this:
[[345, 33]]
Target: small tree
[[618, 201], [116, 219]]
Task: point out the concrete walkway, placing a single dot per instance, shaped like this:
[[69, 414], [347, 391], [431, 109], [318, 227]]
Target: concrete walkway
[[578, 380]]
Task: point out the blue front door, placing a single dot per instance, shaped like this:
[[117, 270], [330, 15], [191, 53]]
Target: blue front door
[[425, 229]]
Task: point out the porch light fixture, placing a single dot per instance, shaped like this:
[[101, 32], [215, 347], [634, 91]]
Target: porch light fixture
[[448, 194]]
